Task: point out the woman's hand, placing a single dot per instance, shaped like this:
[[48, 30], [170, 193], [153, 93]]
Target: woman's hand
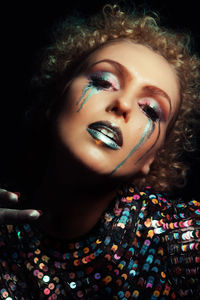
[[10, 215]]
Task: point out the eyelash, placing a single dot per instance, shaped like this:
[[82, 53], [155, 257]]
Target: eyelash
[[100, 83], [154, 113], [103, 80], [151, 113]]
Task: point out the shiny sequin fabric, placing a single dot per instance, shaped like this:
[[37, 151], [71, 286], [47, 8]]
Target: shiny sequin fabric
[[144, 247]]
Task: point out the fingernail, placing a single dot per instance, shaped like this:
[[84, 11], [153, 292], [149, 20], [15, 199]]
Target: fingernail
[[40, 212], [35, 214], [17, 193], [13, 196]]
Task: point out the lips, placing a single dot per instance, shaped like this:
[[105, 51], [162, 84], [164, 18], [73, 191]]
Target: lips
[[106, 132]]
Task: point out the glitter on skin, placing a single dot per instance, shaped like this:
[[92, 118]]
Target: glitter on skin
[[86, 88], [104, 76], [91, 93], [148, 130], [152, 145]]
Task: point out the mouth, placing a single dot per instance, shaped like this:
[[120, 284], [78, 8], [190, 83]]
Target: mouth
[[107, 133]]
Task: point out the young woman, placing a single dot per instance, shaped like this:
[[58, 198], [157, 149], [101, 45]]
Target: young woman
[[118, 98]]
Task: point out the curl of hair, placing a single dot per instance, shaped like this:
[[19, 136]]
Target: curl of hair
[[75, 38]]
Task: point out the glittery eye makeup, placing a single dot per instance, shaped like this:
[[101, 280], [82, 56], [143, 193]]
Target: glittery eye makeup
[[154, 113], [107, 81], [98, 81], [104, 80], [152, 109]]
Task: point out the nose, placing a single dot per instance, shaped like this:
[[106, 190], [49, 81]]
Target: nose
[[120, 107]]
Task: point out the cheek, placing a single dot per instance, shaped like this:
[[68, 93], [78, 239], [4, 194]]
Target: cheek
[[70, 99], [77, 111], [146, 143], [77, 96]]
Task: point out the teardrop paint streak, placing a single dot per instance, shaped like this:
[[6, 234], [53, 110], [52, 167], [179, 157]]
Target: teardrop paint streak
[[151, 146], [148, 130], [92, 91]]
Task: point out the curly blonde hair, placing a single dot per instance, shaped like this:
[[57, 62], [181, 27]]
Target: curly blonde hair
[[75, 38]]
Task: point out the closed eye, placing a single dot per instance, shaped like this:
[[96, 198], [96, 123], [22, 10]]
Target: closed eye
[[150, 112], [152, 109], [104, 80], [100, 83]]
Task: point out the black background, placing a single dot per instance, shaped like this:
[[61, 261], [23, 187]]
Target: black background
[[25, 28]]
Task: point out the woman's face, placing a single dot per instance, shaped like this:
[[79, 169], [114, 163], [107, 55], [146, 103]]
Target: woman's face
[[116, 111]]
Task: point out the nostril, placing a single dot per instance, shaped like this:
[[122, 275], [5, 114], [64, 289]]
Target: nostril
[[119, 112], [120, 109], [115, 108], [124, 115]]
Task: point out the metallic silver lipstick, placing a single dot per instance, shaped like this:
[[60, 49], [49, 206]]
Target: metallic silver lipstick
[[107, 133]]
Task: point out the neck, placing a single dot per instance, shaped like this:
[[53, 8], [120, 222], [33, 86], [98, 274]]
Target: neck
[[72, 206], [73, 215]]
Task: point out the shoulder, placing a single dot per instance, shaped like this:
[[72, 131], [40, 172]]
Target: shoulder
[[176, 220], [167, 242], [172, 213], [181, 239], [182, 226]]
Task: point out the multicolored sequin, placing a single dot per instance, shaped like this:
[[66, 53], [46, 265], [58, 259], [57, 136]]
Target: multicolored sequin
[[144, 247]]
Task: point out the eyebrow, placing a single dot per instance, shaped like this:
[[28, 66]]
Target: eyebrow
[[152, 89], [157, 91]]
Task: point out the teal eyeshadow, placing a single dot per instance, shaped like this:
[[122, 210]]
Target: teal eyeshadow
[[148, 130], [105, 76], [93, 90]]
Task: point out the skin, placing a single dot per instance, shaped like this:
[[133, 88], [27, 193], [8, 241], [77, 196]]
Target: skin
[[96, 170], [120, 107]]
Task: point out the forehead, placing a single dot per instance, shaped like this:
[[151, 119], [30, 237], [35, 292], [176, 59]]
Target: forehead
[[143, 64]]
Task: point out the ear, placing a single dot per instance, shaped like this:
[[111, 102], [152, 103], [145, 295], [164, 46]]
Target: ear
[[146, 167]]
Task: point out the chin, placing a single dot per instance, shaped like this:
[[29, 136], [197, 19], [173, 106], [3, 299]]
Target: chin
[[102, 166], [95, 160]]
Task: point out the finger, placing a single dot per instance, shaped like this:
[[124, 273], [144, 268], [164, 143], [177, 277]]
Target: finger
[[13, 216], [8, 197]]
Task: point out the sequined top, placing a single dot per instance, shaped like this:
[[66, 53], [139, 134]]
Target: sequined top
[[144, 247]]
